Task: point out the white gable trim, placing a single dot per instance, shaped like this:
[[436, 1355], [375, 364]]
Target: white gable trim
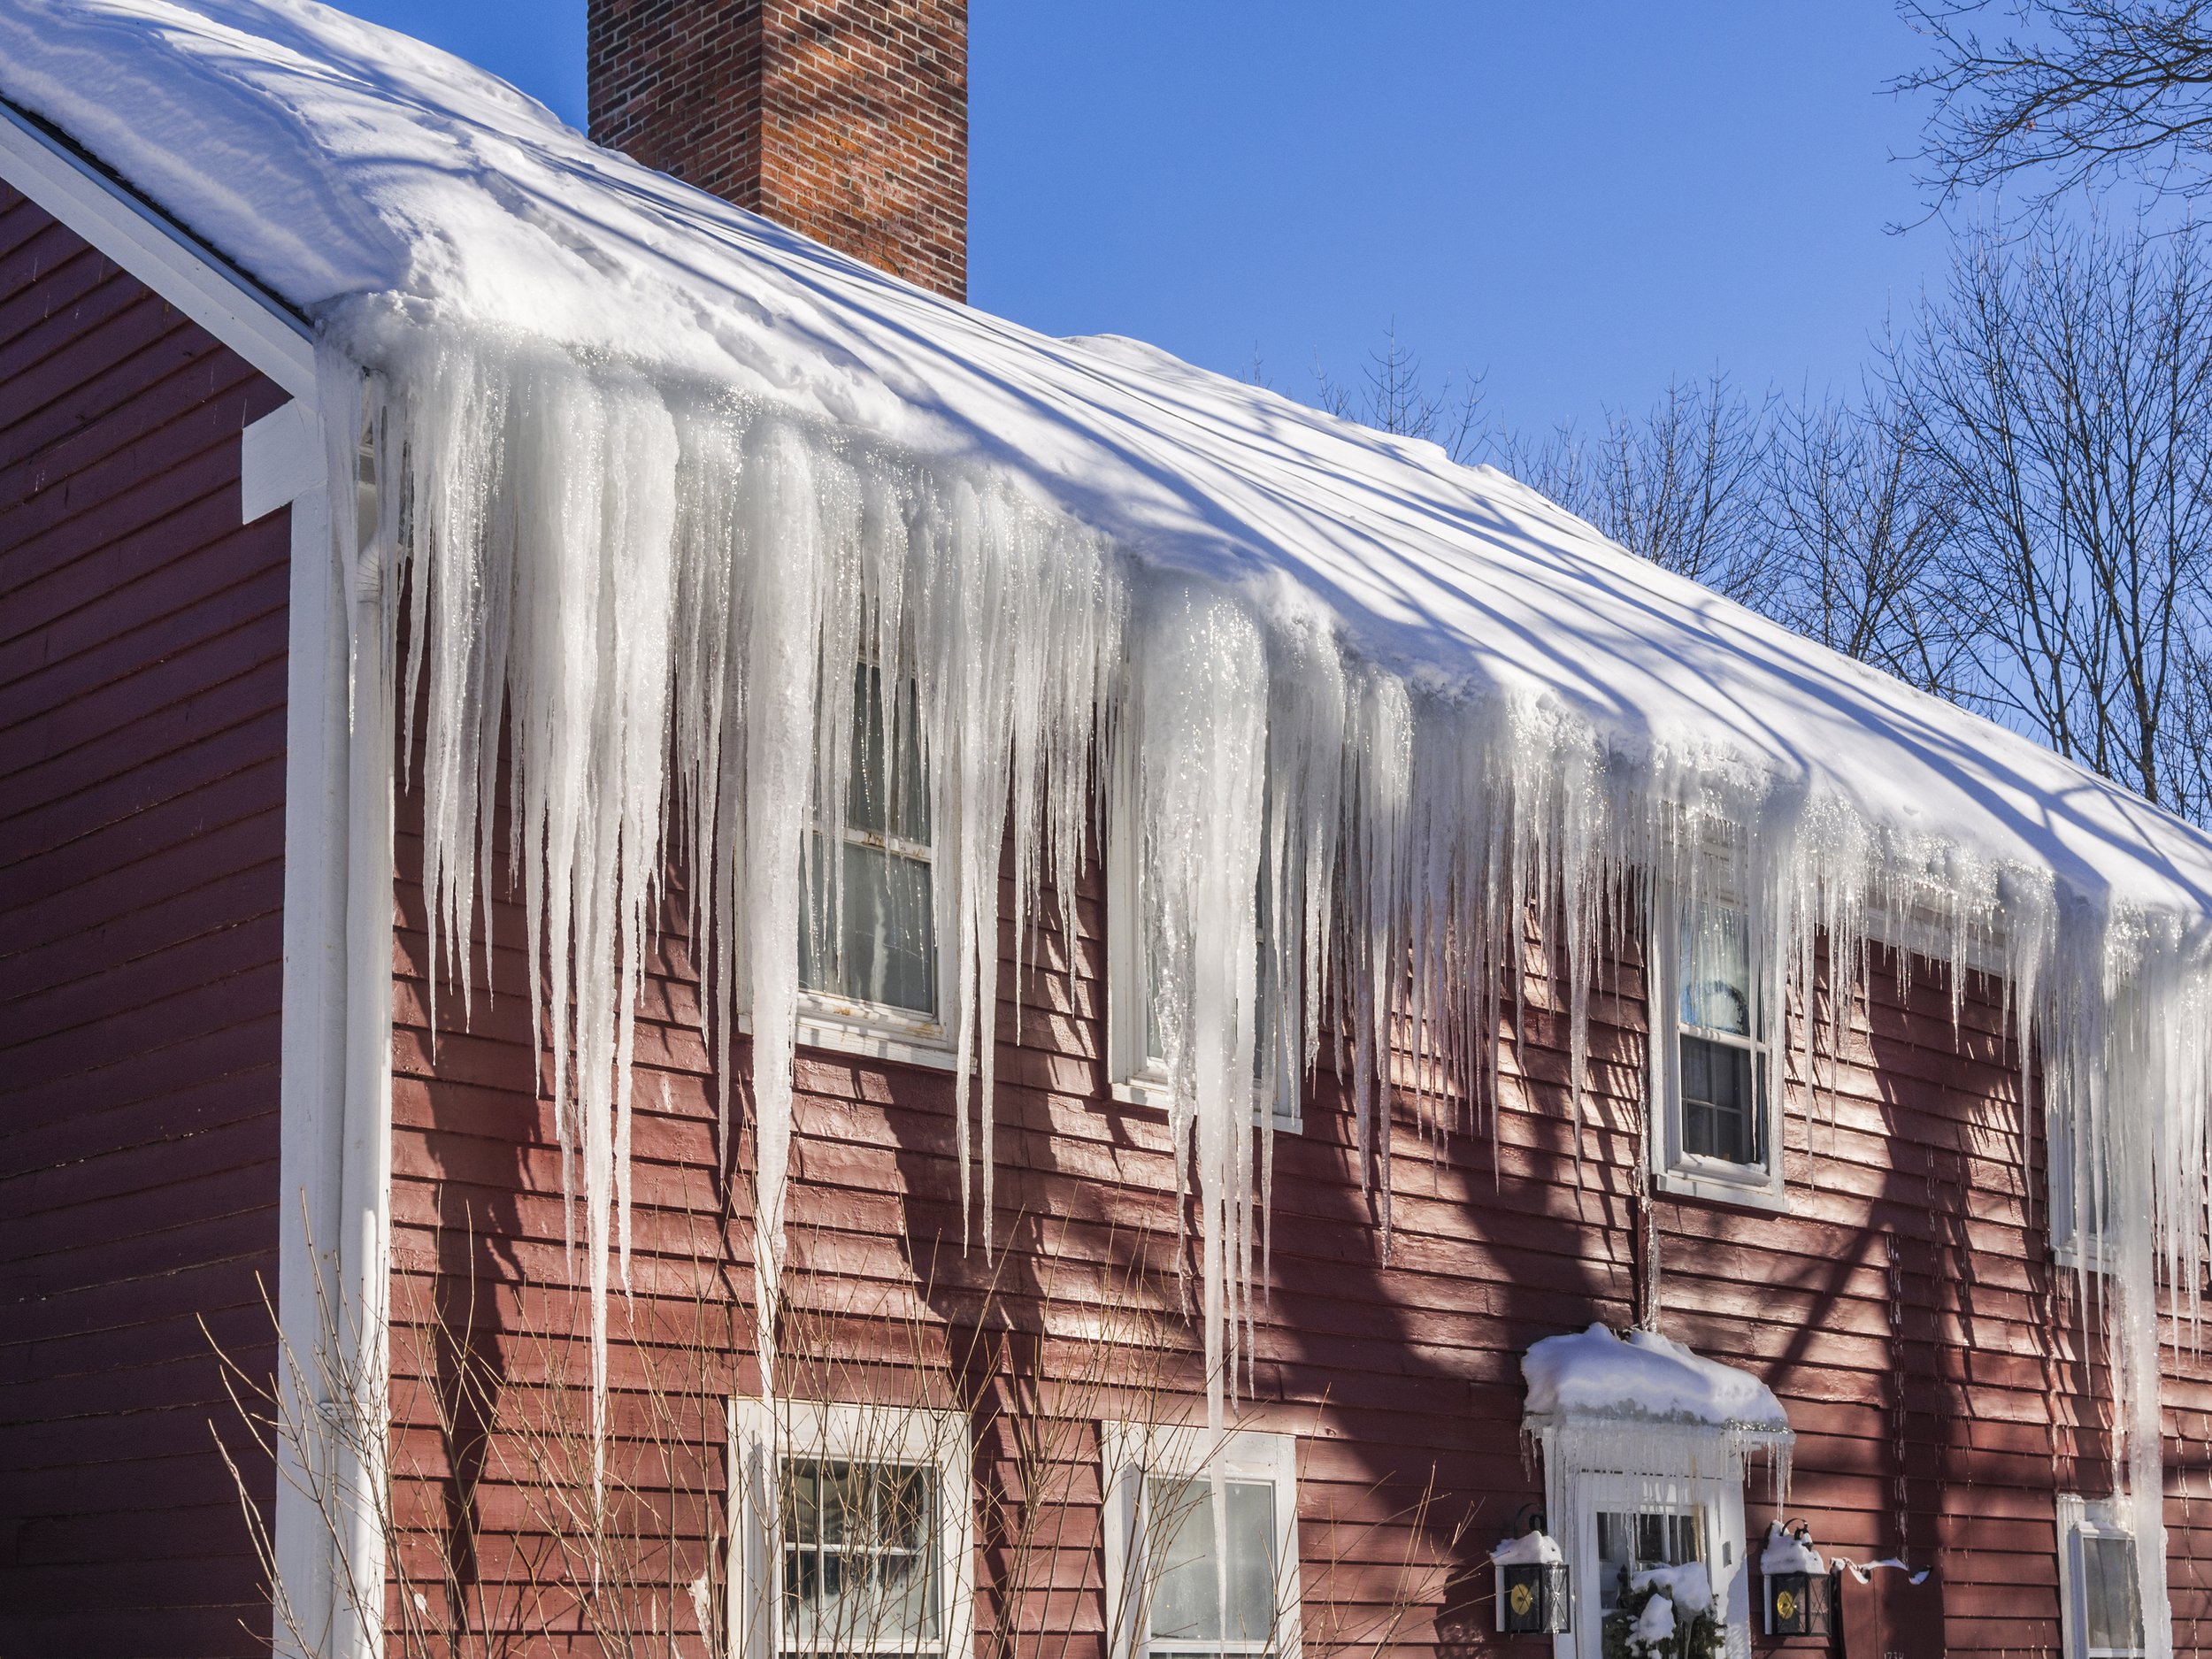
[[158, 253]]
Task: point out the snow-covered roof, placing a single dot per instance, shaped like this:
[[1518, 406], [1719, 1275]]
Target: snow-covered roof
[[1595, 1375], [334, 159]]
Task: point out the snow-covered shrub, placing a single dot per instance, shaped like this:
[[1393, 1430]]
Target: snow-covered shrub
[[1666, 1613]]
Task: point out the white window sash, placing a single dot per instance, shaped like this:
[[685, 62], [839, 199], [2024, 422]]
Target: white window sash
[[1674, 1169], [1131, 1453], [878, 1030], [2080, 1517], [812, 1429]]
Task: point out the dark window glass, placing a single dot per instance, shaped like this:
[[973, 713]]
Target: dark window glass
[[1721, 1087], [859, 1558], [1721, 1075], [2112, 1615], [1630, 1541], [885, 946]]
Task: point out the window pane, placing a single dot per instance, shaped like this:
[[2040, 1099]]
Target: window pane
[[1720, 1105], [859, 1558], [1251, 1560], [2111, 1615], [1185, 1592], [886, 948], [2099, 1194], [887, 797], [801, 1503], [1179, 1539], [902, 1536], [1629, 1541], [1715, 968]]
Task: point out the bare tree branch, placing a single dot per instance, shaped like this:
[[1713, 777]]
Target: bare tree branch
[[1856, 527], [1396, 398], [2061, 395], [1678, 486], [2081, 91]]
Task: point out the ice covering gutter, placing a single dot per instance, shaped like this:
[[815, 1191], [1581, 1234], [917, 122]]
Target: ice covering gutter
[[334, 160]]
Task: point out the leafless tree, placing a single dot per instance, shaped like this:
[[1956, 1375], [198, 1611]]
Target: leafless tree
[[2074, 92], [500, 1524], [1856, 528], [1394, 395], [1678, 485], [2016, 514], [2060, 395]]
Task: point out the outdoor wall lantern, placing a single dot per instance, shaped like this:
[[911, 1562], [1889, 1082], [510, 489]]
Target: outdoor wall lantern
[[1532, 1599], [1800, 1592]]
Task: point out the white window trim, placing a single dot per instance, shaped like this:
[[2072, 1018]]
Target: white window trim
[[1572, 1498], [801, 1428], [1135, 1078], [1129, 1452], [1687, 1174], [870, 1031], [2093, 1517], [2058, 1174], [878, 1030]]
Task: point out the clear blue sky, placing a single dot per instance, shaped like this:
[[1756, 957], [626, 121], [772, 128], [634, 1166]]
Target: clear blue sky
[[1581, 199]]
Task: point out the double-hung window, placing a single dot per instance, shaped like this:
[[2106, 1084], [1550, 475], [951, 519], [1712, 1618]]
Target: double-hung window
[[1135, 1054], [1717, 1131], [2100, 1603], [868, 957], [2077, 1193], [1191, 1574], [852, 1532]]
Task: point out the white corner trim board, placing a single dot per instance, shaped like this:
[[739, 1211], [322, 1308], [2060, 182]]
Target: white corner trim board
[[159, 253], [335, 1174], [282, 463]]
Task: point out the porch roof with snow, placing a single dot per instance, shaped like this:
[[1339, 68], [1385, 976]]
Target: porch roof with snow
[[375, 183], [1596, 1376]]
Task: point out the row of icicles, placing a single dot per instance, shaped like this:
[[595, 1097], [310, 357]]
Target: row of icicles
[[660, 595]]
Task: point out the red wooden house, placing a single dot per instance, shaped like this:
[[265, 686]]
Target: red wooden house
[[596, 789]]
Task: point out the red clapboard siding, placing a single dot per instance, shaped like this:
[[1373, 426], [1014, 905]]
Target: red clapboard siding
[[142, 839], [1907, 1310]]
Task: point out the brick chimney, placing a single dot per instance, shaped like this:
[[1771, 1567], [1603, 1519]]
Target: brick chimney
[[845, 119]]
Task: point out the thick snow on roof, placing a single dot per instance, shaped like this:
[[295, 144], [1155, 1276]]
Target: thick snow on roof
[[1645, 1377], [334, 159]]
